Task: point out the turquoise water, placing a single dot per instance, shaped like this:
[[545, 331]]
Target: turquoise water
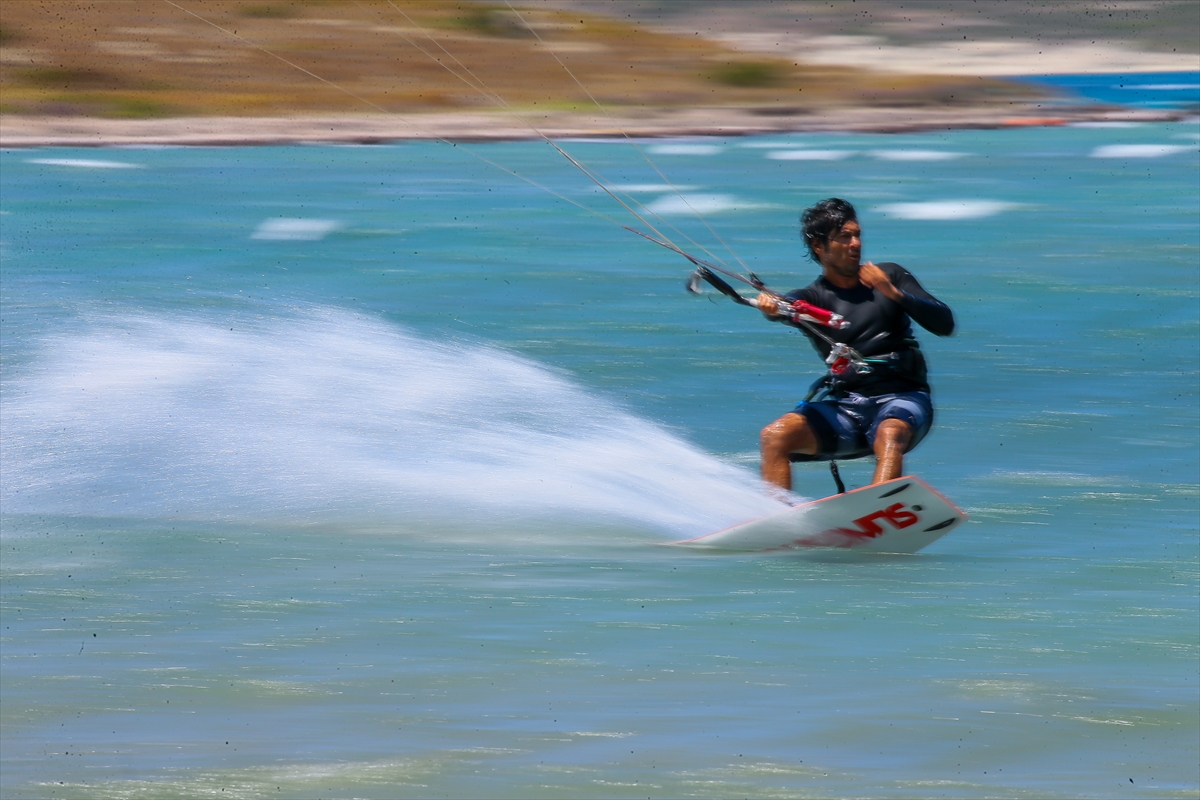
[[342, 472]]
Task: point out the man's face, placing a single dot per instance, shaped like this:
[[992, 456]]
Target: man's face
[[841, 253]]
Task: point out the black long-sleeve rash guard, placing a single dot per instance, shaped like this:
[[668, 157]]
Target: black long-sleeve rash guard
[[879, 326]]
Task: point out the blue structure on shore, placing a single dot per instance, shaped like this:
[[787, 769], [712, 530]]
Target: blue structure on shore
[[1161, 90]]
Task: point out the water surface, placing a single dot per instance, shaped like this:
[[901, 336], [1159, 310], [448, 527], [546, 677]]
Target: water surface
[[343, 472]]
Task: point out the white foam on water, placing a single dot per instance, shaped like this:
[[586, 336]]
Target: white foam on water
[[646, 187], [809, 155], [1162, 87], [947, 209], [685, 149], [1111, 123], [1138, 150], [687, 203], [915, 155], [83, 163], [287, 229], [330, 418], [757, 144]]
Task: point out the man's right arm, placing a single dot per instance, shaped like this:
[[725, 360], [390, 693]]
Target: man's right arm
[[926, 310]]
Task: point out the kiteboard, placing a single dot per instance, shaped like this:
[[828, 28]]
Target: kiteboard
[[897, 516]]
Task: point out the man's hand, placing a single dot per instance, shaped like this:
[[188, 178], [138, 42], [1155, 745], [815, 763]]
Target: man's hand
[[873, 277], [768, 304]]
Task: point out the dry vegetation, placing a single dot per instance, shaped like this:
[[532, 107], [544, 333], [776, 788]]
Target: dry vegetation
[[1166, 26], [152, 58]]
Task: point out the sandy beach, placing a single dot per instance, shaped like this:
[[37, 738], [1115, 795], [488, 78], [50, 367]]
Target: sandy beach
[[21, 131]]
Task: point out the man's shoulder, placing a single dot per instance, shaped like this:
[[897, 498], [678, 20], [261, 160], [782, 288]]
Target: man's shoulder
[[891, 268], [815, 289]]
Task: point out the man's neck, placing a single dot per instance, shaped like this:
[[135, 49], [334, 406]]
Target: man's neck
[[838, 280]]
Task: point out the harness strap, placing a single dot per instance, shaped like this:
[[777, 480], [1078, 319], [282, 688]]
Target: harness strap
[[837, 476], [819, 387]]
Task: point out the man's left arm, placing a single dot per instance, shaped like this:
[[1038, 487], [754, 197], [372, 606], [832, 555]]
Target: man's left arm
[[901, 287]]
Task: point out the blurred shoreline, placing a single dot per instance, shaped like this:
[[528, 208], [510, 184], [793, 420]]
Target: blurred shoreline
[[49, 131], [136, 74]]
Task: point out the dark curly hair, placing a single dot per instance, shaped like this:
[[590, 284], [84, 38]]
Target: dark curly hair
[[824, 219]]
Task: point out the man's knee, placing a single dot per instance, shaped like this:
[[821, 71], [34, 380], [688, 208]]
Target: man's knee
[[771, 437], [790, 433], [893, 432]]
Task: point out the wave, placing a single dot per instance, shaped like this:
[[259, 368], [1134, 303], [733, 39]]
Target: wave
[[809, 155], [947, 209], [1138, 150], [687, 203], [83, 163]]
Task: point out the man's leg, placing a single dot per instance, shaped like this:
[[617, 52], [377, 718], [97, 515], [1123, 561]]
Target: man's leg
[[891, 442], [789, 434]]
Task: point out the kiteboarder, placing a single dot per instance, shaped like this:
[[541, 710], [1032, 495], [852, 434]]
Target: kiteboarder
[[875, 396]]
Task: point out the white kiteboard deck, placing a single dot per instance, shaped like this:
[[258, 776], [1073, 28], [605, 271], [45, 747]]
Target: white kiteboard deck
[[897, 516]]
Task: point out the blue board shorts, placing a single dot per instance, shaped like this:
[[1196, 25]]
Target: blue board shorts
[[846, 428]]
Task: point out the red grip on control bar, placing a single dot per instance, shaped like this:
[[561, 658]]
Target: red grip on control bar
[[820, 315]]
